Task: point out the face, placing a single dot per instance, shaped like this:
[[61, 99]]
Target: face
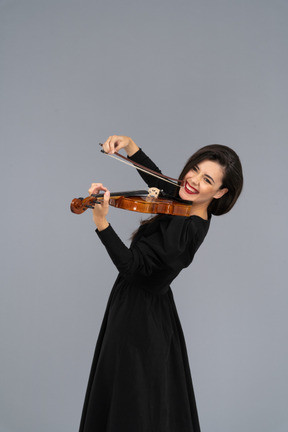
[[202, 184]]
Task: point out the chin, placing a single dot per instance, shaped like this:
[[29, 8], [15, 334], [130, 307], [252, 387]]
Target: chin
[[187, 197]]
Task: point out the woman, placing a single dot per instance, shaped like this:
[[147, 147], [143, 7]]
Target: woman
[[140, 378]]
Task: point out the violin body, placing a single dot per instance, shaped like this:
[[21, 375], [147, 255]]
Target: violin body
[[137, 201]]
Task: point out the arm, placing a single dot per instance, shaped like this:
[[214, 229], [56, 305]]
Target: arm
[[115, 143], [156, 259], [124, 259], [141, 158], [158, 256]]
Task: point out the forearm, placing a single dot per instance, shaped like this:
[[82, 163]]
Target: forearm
[[119, 253], [141, 158], [131, 262]]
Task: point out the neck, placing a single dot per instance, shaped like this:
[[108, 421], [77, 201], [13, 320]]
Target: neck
[[200, 210]]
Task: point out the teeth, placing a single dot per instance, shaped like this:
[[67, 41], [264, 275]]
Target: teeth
[[190, 188]]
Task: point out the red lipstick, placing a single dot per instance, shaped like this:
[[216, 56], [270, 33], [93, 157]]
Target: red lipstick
[[190, 189]]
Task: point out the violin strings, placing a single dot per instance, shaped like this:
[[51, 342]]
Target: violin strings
[[141, 169]]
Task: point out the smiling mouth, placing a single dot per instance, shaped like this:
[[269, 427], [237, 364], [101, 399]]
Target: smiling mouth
[[189, 189]]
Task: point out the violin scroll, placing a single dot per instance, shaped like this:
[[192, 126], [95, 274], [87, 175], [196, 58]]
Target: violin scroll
[[80, 205]]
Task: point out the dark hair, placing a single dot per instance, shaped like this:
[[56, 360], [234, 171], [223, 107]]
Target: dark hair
[[232, 177], [232, 174]]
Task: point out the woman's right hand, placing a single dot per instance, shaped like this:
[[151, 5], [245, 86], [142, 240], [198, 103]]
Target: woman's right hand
[[116, 142]]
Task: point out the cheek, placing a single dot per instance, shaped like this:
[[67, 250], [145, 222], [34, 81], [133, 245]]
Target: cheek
[[210, 189], [187, 176]]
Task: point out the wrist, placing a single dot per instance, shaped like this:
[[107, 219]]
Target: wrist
[[131, 148], [101, 224]]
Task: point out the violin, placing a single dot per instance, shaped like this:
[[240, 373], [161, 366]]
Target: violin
[[138, 201]]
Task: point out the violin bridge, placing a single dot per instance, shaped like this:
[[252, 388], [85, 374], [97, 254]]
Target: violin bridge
[[153, 192]]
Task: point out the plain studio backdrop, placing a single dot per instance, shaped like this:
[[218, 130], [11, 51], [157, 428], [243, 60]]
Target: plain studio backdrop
[[175, 76]]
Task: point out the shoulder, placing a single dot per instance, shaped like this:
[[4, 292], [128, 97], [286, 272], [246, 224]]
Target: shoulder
[[190, 222], [189, 230], [189, 234], [182, 236]]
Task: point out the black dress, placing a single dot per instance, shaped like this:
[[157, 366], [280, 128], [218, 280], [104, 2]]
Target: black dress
[[140, 379]]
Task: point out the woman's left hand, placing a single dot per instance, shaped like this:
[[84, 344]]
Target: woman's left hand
[[100, 211]]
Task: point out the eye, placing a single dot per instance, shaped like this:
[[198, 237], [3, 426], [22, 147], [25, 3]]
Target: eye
[[195, 168], [207, 180]]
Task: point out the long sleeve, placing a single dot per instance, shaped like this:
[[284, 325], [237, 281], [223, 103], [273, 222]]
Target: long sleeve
[[160, 251], [141, 158]]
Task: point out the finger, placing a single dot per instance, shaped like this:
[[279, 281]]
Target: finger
[[106, 145], [96, 188], [111, 145], [106, 199]]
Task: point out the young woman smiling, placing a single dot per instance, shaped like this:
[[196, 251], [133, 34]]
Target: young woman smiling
[[140, 378]]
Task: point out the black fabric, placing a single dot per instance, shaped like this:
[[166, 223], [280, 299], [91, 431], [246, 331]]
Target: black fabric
[[140, 379], [152, 181]]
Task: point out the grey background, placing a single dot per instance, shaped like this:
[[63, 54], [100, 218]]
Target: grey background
[[174, 75]]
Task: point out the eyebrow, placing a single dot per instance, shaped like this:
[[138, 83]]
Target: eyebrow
[[206, 174]]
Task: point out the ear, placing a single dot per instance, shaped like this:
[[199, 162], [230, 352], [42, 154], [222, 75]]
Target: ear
[[220, 193]]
